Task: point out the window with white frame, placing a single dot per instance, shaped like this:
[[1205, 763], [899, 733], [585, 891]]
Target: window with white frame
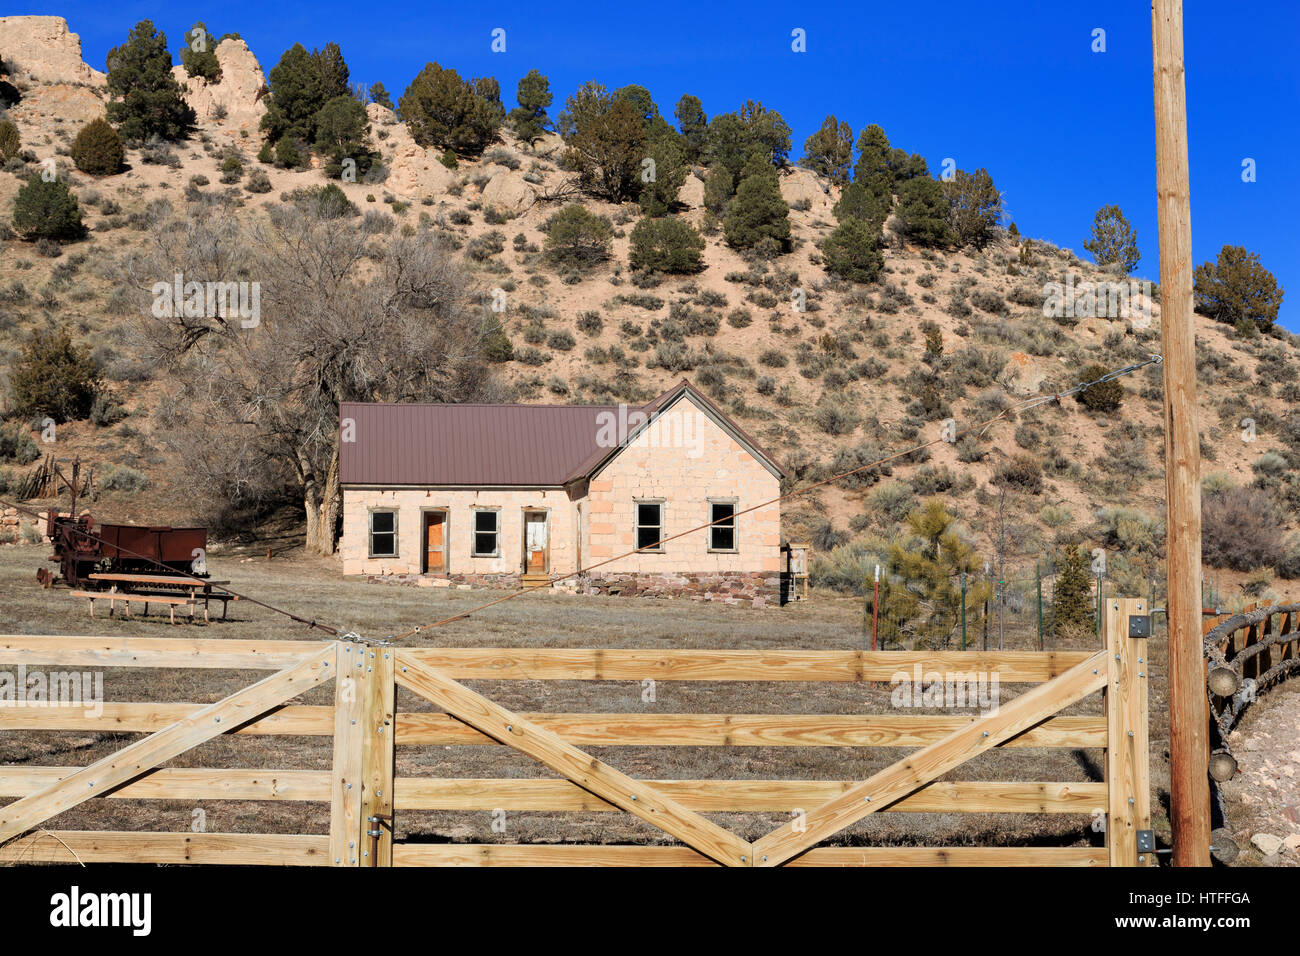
[[487, 534], [722, 532], [649, 525], [383, 534]]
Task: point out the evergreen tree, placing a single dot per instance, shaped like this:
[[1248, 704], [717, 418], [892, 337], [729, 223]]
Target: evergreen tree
[[719, 187], [47, 210], [606, 142], [869, 202], [662, 180], [923, 213], [874, 156], [340, 135], [529, 120], [666, 245], [693, 124], [1236, 289], [852, 251], [1072, 603], [758, 212], [199, 54], [577, 237], [54, 377], [829, 151], [332, 70], [378, 94], [652, 124], [1114, 241], [297, 94], [443, 110], [974, 207], [145, 97], [733, 137], [97, 149]]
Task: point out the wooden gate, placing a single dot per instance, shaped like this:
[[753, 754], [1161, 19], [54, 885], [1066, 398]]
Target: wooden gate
[[363, 792]]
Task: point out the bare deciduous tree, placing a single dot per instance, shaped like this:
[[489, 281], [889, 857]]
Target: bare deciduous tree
[[344, 313]]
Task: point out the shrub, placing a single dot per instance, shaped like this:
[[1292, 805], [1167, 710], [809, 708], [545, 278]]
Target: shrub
[[1023, 472], [47, 210], [590, 323], [54, 377], [17, 446], [561, 341], [835, 417], [124, 478], [1103, 397], [1241, 530], [576, 237], [773, 358], [97, 149], [258, 182], [11, 143], [666, 245], [496, 345]]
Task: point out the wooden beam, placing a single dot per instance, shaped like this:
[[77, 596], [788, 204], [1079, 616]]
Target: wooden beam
[[550, 663], [184, 783], [345, 773], [294, 719], [749, 730], [230, 849], [496, 854], [31, 649], [1127, 756], [634, 796], [185, 734], [929, 763], [1189, 749], [746, 796], [377, 734]]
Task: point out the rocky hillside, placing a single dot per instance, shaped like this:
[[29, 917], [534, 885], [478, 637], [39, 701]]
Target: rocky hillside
[[849, 378]]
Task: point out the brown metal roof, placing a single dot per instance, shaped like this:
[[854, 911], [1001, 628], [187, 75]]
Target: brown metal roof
[[484, 445]]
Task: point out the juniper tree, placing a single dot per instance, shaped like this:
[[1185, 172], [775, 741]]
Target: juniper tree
[[145, 99], [606, 142], [974, 207], [923, 213], [378, 94], [529, 120], [47, 210], [97, 149], [758, 213], [693, 125], [852, 251], [1072, 605], [1114, 241], [1237, 289], [733, 137], [829, 151], [443, 110], [199, 54], [662, 178], [666, 245]]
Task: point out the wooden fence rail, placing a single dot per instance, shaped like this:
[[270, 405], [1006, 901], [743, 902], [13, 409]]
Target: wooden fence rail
[[366, 795]]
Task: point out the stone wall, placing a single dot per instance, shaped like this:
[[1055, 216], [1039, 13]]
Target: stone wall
[[758, 589]]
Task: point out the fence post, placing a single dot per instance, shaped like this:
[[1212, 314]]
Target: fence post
[[1127, 753], [1038, 582], [875, 610], [963, 610], [378, 728], [345, 786]]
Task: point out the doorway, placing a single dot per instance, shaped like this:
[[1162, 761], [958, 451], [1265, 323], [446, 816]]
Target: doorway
[[537, 546], [435, 542]]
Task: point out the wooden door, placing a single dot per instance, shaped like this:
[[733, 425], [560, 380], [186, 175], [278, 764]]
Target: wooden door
[[435, 546], [536, 543]]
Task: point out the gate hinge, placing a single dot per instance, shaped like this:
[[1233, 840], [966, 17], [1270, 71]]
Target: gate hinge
[[1139, 625]]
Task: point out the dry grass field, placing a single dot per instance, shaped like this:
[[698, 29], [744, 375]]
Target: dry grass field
[[313, 588]]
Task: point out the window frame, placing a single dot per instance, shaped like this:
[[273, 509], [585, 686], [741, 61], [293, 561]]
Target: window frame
[[659, 503], [371, 532], [474, 532], [734, 504]]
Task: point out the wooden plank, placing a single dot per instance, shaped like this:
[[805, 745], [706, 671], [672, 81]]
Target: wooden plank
[[924, 765], [746, 796], [184, 783], [229, 849], [469, 854], [127, 597], [1126, 752], [31, 649], [748, 665], [293, 719], [750, 730], [634, 796], [377, 734], [189, 732], [345, 770]]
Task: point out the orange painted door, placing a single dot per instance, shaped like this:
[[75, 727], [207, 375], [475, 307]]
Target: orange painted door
[[435, 548]]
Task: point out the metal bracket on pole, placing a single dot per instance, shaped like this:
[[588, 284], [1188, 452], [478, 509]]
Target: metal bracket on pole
[[1139, 625]]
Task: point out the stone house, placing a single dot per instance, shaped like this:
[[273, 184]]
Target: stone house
[[506, 495]]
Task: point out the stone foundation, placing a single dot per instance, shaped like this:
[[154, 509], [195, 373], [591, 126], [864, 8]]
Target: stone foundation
[[757, 589]]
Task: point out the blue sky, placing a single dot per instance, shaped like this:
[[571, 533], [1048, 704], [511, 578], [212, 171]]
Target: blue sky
[[1014, 87]]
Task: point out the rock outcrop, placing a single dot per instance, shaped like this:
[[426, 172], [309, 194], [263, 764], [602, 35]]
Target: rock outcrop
[[43, 50], [413, 171], [507, 192], [802, 188], [235, 101]]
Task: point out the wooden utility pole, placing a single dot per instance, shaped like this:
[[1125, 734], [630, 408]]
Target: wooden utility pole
[[1188, 712]]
